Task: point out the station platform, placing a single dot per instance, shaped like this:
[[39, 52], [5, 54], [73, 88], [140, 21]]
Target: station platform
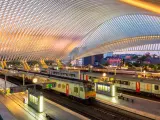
[[21, 111], [5, 114], [8, 84], [140, 106], [17, 111]]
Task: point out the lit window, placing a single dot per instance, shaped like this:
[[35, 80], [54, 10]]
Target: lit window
[[59, 85], [81, 89], [63, 86], [99, 87], [76, 89], [108, 88], [105, 88], [148, 87], [156, 87]]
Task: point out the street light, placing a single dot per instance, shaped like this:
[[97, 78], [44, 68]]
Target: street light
[[141, 69], [5, 83], [67, 67], [104, 75], [115, 71], [90, 68], [144, 73], [23, 76]]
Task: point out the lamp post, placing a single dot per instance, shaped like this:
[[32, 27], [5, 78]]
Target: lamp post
[[90, 68], [141, 69], [107, 69], [115, 71], [23, 80], [104, 76], [35, 80], [5, 84]]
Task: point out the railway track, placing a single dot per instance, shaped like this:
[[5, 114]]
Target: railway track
[[96, 111]]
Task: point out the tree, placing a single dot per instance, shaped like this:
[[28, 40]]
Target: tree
[[135, 57], [32, 62], [137, 64], [106, 64], [103, 61], [142, 59], [129, 64], [154, 67], [158, 66]]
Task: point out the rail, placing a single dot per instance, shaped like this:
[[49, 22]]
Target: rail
[[96, 113]]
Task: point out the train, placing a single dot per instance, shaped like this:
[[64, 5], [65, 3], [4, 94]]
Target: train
[[87, 76], [130, 84], [144, 86], [83, 90], [102, 70], [79, 89], [113, 70], [70, 74]]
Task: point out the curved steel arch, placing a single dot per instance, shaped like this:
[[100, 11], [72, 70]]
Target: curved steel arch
[[118, 45], [147, 47], [129, 26]]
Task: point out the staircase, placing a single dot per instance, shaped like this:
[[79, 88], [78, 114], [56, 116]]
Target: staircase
[[44, 65], [26, 66], [3, 64], [59, 63]]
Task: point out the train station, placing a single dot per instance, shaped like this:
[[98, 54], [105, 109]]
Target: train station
[[79, 60]]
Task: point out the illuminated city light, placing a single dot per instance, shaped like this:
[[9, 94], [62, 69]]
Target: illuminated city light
[[114, 100], [104, 75], [118, 44], [144, 71], [41, 107], [144, 5], [113, 91]]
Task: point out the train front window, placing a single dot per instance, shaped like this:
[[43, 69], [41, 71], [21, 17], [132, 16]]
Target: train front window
[[76, 89], [89, 88], [54, 84], [156, 87], [81, 89]]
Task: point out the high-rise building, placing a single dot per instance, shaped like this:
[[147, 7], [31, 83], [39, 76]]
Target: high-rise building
[[92, 60], [109, 54]]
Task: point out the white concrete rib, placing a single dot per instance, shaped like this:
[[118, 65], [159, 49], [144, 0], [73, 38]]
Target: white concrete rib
[[50, 29]]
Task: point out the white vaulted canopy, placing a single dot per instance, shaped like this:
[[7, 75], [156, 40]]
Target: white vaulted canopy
[[50, 29]]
